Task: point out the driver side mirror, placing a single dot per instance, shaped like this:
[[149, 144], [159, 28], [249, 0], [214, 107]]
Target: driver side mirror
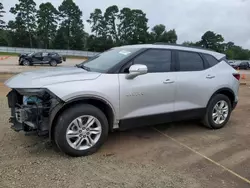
[[136, 70]]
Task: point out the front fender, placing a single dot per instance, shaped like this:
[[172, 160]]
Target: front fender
[[56, 110]]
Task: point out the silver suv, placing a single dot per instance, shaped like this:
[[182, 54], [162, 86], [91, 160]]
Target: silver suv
[[124, 87]]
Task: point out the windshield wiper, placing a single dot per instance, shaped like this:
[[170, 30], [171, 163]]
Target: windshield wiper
[[83, 67]]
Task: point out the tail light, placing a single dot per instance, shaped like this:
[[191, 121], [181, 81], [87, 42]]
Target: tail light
[[237, 76]]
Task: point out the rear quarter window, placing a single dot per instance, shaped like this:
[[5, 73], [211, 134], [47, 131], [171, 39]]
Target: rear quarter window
[[211, 60]]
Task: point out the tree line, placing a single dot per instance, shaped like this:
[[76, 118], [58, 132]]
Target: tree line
[[62, 28]]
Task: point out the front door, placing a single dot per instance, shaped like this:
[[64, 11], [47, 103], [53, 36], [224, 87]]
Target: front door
[[149, 98]]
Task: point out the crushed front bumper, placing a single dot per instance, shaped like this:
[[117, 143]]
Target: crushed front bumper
[[33, 117]]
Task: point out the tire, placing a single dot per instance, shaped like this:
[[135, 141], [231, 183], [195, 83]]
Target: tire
[[64, 125], [53, 63], [208, 120], [26, 63]]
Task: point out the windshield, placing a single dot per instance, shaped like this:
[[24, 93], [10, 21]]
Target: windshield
[[106, 60], [30, 54]]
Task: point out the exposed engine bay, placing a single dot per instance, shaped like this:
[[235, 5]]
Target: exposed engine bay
[[30, 110]]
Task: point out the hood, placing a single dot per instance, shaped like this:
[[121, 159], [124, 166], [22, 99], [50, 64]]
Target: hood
[[42, 77]]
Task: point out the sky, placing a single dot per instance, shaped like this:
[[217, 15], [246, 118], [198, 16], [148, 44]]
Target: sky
[[190, 18]]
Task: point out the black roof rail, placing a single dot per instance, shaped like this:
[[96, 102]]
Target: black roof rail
[[181, 45]]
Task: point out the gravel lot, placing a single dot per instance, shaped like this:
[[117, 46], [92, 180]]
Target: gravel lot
[[137, 158]]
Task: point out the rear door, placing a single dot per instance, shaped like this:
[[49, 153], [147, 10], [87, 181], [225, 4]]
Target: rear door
[[45, 58], [195, 81], [37, 58]]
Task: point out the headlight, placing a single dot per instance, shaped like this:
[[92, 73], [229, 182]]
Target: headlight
[[32, 92]]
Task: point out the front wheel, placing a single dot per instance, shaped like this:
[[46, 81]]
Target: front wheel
[[81, 130], [218, 112], [53, 63], [26, 63]]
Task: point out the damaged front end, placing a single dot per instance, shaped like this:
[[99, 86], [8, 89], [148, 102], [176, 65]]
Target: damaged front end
[[30, 110]]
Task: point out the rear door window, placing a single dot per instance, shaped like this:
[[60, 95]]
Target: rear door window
[[190, 61], [37, 55], [54, 54], [44, 54]]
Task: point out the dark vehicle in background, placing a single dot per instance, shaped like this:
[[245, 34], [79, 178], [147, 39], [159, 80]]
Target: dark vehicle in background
[[42, 58], [240, 65]]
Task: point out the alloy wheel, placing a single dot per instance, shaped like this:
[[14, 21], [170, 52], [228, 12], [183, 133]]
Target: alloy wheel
[[83, 132], [220, 112]]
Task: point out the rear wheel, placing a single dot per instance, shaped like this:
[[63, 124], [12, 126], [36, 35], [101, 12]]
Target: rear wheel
[[218, 112], [81, 130]]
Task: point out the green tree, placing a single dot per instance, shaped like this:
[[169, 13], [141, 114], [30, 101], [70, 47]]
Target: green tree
[[158, 31], [111, 16], [26, 11], [2, 23], [229, 45], [189, 43], [72, 27], [47, 17], [4, 38], [98, 24], [212, 41], [237, 53], [97, 44], [61, 37], [116, 27], [102, 39], [132, 27], [159, 34], [18, 32]]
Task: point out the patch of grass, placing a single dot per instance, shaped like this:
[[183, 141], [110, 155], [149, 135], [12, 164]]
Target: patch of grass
[[8, 54], [76, 57], [67, 56]]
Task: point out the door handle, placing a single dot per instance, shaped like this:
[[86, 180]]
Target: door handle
[[210, 76], [168, 81]]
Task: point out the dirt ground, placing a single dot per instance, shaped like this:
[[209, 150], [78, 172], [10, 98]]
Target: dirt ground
[[176, 155]]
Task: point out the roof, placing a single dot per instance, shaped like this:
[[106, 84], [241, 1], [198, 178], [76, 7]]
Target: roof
[[176, 47]]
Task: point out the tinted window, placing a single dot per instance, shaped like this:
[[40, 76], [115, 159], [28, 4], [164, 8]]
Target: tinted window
[[190, 61], [44, 54], [244, 63], [155, 60], [53, 54], [39, 54], [211, 60]]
